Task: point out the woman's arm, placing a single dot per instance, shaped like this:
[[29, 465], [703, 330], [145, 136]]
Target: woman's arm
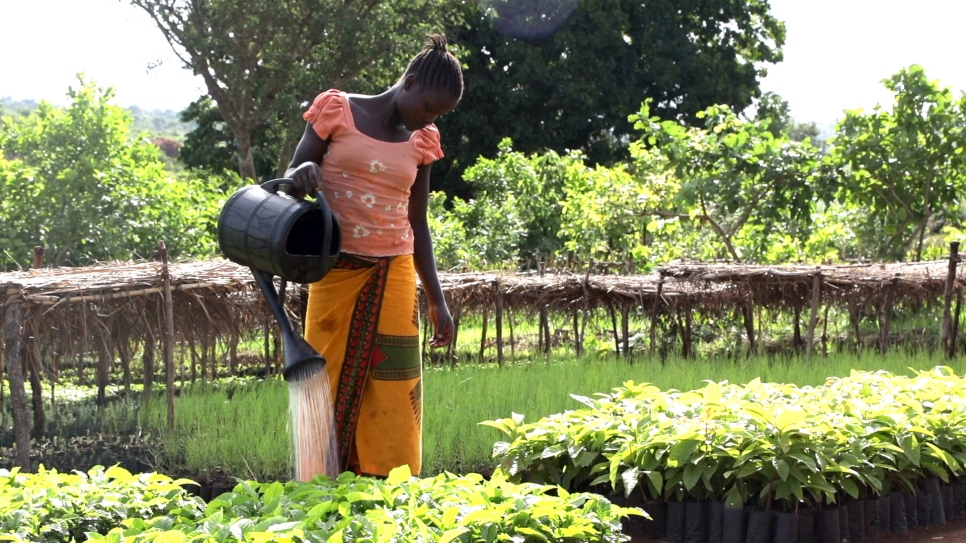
[[426, 262], [304, 169]]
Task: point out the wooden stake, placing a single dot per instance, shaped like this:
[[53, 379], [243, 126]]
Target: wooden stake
[[625, 329], [825, 333], [32, 367], [655, 313], [38, 257], [147, 363], [499, 324], [13, 346], [486, 319], [513, 343], [885, 315], [813, 315], [948, 338], [168, 333], [959, 305], [613, 324], [748, 314], [456, 332]]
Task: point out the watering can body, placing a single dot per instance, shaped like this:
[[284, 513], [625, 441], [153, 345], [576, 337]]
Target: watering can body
[[263, 228]]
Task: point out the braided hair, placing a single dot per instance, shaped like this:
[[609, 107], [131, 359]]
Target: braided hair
[[436, 67]]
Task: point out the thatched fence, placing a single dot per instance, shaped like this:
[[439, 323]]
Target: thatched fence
[[66, 321]]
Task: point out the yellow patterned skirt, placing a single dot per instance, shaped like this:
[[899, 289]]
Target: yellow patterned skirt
[[363, 317]]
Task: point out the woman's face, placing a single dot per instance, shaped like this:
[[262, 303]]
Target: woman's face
[[419, 106]]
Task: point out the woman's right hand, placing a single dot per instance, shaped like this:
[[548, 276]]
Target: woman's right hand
[[306, 179]]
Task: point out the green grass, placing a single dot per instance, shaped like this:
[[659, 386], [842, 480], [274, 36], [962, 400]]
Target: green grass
[[241, 430], [457, 400], [241, 427]]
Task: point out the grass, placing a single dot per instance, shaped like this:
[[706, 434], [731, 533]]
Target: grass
[[457, 400], [244, 430]]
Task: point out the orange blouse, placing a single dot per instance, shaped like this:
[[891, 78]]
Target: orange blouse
[[367, 181]]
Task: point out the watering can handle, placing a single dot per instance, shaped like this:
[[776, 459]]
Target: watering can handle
[[285, 185]]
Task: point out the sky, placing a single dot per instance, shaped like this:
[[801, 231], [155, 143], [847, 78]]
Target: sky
[[837, 52]]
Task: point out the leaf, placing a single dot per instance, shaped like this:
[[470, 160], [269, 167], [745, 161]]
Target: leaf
[[399, 475], [455, 533], [630, 477], [849, 486]]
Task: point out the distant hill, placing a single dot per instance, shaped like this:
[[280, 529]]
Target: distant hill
[[157, 123]]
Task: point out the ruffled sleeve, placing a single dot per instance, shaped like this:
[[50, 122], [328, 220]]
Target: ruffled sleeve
[[427, 143], [327, 114]]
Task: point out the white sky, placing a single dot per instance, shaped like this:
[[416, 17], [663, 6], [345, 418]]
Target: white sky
[[836, 52]]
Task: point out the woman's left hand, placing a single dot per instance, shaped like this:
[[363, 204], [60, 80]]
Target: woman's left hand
[[442, 324]]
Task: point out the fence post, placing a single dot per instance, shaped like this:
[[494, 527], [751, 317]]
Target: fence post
[[499, 323], [168, 334], [656, 312], [885, 314], [813, 316], [948, 340], [13, 343]]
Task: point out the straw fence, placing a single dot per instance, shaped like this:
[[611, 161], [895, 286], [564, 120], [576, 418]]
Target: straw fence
[[98, 318]]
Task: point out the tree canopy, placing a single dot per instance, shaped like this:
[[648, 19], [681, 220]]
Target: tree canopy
[[75, 181], [262, 60], [906, 165], [573, 88]]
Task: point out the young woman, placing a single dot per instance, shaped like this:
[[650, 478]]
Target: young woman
[[371, 157]]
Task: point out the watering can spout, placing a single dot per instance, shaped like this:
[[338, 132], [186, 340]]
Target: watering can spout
[[301, 361]]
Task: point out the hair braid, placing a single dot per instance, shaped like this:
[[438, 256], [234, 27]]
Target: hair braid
[[436, 67]]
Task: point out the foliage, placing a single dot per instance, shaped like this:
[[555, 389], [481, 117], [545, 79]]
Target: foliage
[[754, 190], [905, 167], [76, 182], [54, 507], [776, 110], [210, 146], [262, 60], [563, 76], [859, 436], [516, 214], [446, 508]]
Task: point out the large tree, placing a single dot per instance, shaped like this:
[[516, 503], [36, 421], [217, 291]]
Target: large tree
[[563, 74], [261, 60]]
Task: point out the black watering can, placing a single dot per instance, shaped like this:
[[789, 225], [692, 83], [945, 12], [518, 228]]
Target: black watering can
[[272, 233]]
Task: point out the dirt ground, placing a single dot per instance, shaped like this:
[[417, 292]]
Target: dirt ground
[[952, 532]]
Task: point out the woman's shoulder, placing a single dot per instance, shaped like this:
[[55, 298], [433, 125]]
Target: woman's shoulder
[[427, 141], [329, 112]]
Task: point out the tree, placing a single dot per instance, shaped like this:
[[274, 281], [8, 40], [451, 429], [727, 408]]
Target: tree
[[572, 88], [75, 181], [262, 60], [739, 179], [210, 146], [775, 109], [906, 166]]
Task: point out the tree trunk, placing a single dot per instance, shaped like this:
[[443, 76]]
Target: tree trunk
[[243, 147], [13, 343]]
